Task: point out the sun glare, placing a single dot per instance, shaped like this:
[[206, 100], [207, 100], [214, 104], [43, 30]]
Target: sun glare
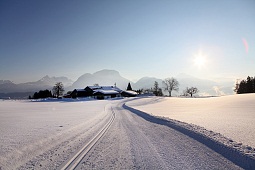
[[199, 60]]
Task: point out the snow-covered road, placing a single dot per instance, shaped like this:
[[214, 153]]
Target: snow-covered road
[[46, 135], [135, 143]]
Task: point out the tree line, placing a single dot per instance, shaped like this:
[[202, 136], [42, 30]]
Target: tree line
[[57, 91], [245, 86], [169, 85]]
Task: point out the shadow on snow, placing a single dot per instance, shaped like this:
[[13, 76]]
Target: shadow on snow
[[231, 154]]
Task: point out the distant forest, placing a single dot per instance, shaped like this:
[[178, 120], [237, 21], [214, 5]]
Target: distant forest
[[246, 86]]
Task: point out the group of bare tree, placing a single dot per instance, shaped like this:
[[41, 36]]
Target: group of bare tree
[[57, 91], [171, 84]]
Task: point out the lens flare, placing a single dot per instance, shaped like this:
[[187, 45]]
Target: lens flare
[[246, 45]]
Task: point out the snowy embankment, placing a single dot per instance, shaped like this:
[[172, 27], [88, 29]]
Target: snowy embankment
[[50, 131], [228, 120]]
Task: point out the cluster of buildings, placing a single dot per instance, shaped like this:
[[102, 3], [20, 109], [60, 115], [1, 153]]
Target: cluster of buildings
[[101, 92]]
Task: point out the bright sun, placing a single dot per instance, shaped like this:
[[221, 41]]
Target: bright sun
[[199, 60]]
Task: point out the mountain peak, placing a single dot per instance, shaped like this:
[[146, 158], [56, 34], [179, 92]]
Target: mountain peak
[[107, 72], [45, 78]]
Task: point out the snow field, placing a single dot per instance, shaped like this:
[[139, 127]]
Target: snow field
[[46, 134], [47, 129], [232, 116]]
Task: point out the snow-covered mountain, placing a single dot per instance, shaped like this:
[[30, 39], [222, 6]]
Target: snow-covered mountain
[[103, 78], [5, 81], [147, 83], [46, 82], [52, 80], [206, 87]]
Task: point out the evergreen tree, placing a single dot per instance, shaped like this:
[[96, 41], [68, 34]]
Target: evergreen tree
[[42, 94], [129, 86], [36, 95], [249, 84], [253, 85], [246, 86], [156, 90], [242, 87]]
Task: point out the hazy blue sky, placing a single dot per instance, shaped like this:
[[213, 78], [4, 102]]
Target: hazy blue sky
[[159, 38]]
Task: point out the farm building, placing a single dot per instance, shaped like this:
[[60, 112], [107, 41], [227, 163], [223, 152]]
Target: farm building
[[102, 92]]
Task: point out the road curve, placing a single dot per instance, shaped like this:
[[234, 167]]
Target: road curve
[[132, 142]]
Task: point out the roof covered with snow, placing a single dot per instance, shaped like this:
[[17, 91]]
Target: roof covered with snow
[[94, 88], [106, 92], [130, 92]]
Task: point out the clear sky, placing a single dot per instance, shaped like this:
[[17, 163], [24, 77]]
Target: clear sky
[[159, 38]]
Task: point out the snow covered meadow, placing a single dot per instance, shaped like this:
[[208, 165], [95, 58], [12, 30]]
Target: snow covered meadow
[[233, 116], [28, 128]]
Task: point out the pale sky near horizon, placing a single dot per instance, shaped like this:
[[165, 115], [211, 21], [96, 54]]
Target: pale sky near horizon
[[209, 39]]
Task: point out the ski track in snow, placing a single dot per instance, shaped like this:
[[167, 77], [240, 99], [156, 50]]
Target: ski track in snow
[[45, 135]]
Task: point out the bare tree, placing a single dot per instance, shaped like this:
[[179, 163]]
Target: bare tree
[[191, 91], [58, 89], [185, 93], [171, 84]]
